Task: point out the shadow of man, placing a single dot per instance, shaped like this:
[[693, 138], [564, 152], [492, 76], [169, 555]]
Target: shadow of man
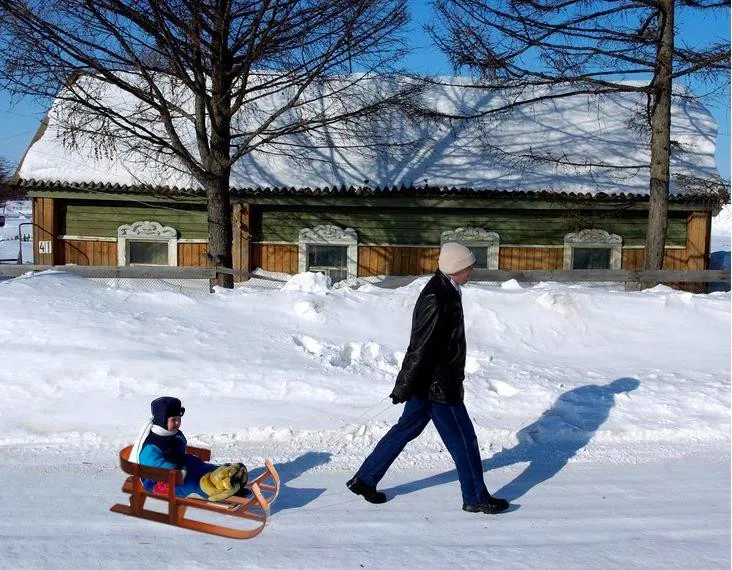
[[551, 441], [548, 443], [296, 497]]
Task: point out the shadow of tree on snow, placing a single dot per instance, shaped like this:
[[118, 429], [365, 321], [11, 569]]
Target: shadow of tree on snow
[[547, 444]]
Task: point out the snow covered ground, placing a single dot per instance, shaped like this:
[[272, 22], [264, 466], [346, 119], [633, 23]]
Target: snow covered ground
[[721, 224], [665, 514], [603, 416]]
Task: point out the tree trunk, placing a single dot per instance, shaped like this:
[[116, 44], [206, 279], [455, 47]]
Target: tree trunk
[[218, 155], [660, 102], [219, 228]]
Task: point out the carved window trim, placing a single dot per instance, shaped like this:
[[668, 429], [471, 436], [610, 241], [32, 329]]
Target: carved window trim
[[472, 237], [146, 231], [593, 238], [328, 235]]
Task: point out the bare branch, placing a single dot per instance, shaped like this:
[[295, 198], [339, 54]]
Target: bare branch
[[231, 75], [587, 46]]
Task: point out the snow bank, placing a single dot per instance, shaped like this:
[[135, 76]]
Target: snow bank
[[283, 371]]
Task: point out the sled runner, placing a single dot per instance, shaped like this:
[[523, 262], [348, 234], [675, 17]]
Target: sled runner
[[251, 513]]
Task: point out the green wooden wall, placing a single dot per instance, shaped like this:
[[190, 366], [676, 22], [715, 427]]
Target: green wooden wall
[[424, 226], [417, 225], [101, 219]]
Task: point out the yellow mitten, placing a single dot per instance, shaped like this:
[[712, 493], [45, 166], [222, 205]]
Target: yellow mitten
[[221, 483]]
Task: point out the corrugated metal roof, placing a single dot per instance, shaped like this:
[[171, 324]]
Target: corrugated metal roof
[[699, 192]]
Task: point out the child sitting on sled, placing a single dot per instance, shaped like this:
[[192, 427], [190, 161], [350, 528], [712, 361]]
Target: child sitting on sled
[[162, 444]]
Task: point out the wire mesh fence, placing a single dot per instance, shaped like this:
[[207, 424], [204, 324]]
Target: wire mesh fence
[[189, 280]]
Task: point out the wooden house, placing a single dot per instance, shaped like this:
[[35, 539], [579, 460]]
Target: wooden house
[[558, 185]]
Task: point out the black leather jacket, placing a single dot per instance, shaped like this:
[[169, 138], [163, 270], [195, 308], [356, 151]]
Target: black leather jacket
[[434, 365]]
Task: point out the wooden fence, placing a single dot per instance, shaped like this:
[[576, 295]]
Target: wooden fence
[[632, 279], [621, 275], [114, 271]]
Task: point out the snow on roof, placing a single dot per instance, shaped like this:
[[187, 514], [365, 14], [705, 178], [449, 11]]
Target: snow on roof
[[601, 141]]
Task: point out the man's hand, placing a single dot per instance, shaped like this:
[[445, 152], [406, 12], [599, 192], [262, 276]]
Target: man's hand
[[397, 398]]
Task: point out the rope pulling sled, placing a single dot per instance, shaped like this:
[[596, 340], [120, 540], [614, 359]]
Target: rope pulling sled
[[250, 513]]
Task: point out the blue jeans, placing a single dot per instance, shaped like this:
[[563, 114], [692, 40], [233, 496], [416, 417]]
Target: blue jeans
[[457, 432]]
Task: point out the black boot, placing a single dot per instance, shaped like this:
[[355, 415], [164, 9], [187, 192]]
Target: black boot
[[490, 506], [366, 491]]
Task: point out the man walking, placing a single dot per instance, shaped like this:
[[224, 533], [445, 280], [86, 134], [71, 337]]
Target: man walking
[[431, 383]]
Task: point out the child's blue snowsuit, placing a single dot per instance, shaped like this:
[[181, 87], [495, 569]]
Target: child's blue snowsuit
[[169, 452]]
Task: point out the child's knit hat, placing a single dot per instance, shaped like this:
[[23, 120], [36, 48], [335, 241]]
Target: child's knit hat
[[165, 407]]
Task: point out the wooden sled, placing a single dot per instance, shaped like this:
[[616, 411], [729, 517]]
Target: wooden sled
[[254, 510]]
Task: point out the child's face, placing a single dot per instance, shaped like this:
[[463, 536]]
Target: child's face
[[174, 423]]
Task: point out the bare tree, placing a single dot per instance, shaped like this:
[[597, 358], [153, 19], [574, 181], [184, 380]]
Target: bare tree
[[593, 47], [231, 76], [5, 190], [4, 172]]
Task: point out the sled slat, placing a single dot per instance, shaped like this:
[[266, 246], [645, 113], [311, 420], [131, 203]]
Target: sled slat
[[200, 452], [191, 524], [145, 471]]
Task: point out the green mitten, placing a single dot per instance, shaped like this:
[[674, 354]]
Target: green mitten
[[242, 475]]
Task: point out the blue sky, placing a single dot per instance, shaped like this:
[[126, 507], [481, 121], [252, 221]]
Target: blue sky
[[21, 118]]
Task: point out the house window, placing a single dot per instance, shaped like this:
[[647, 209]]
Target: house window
[[147, 243], [329, 259], [590, 258], [328, 249], [147, 253], [592, 249], [482, 243]]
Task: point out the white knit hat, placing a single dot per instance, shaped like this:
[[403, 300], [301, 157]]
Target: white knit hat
[[455, 257]]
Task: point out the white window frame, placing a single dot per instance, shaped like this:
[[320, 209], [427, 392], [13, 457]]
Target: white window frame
[[328, 235], [476, 237], [593, 238], [146, 231]]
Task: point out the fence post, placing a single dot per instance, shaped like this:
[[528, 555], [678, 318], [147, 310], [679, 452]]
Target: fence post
[[633, 282], [241, 241]]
